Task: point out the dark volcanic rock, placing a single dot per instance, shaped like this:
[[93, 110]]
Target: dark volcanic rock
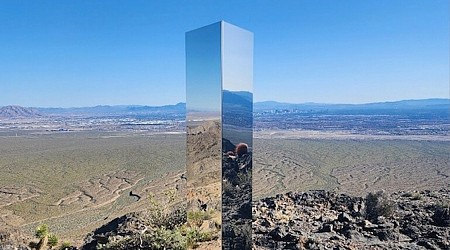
[[137, 230], [441, 216], [236, 200], [327, 220], [227, 146], [124, 225], [308, 220]]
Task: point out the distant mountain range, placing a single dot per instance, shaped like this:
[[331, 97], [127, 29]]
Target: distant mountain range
[[14, 111], [403, 104], [241, 99], [118, 110]]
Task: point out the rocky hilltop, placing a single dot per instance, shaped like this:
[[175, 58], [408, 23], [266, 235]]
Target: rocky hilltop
[[298, 220], [18, 112], [327, 220]]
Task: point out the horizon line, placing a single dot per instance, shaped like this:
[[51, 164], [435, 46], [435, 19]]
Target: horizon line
[[181, 102]]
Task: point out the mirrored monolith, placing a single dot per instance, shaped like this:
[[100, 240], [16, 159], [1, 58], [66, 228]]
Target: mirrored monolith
[[204, 130], [219, 101], [237, 134]]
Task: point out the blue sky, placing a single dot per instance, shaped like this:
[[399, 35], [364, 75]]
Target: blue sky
[[84, 53]]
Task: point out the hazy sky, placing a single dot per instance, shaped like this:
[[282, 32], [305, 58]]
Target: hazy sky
[[84, 53]]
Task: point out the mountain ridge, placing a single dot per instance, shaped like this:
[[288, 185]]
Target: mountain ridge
[[15, 111], [410, 104]]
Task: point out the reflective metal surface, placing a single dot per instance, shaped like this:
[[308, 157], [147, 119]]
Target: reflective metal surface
[[237, 143], [219, 101], [204, 128]]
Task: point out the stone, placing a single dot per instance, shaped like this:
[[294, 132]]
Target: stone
[[326, 228], [344, 217]]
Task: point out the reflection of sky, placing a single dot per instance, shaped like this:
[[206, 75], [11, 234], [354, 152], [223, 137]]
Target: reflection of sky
[[203, 68], [218, 55], [237, 59]]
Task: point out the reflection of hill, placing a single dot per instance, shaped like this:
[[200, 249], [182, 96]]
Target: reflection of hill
[[242, 99], [203, 164], [203, 148], [237, 108], [239, 96]]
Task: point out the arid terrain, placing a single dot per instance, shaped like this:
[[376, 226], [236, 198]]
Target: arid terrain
[[81, 175], [76, 182], [349, 166]]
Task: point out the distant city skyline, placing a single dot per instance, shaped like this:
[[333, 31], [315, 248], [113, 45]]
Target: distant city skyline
[[88, 53]]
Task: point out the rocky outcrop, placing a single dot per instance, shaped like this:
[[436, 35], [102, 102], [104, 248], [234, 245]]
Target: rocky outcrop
[[236, 201], [295, 220], [127, 225], [12, 239], [327, 220], [139, 230]]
